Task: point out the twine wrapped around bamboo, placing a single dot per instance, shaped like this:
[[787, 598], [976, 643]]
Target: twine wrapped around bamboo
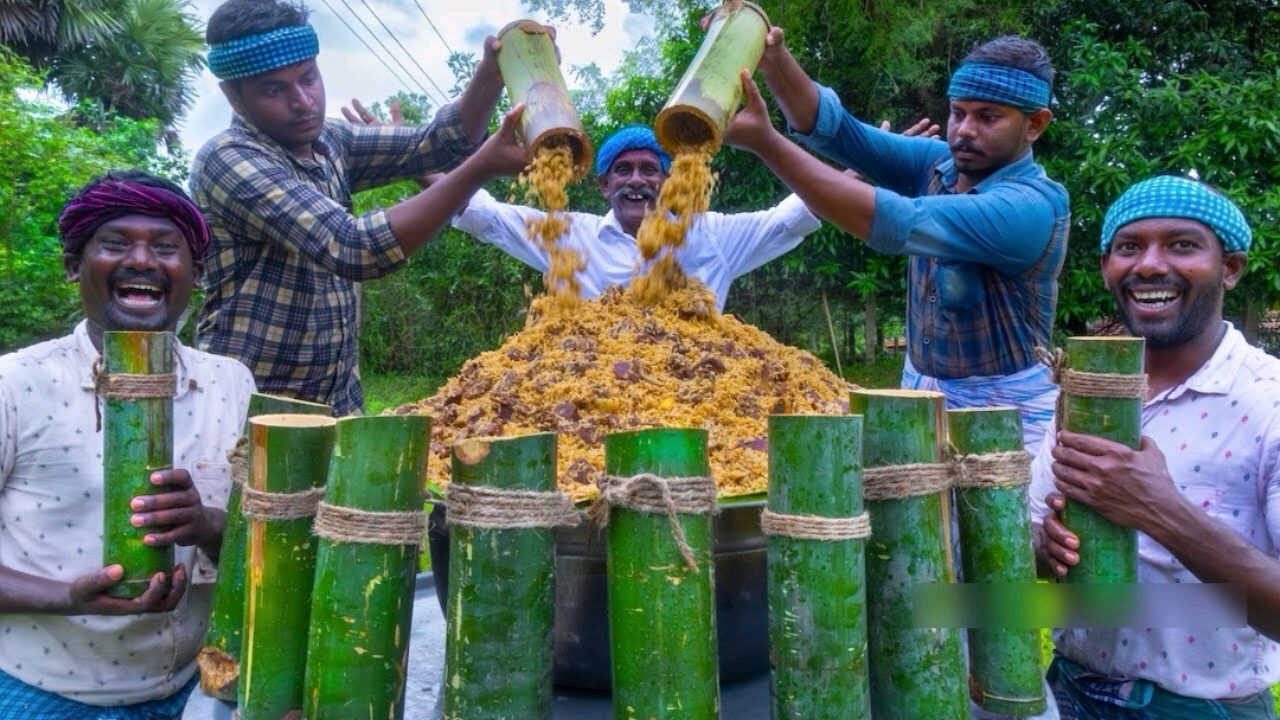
[[495, 508], [815, 527], [648, 493], [993, 471]]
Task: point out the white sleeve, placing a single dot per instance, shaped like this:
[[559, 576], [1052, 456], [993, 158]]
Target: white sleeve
[[749, 240], [1042, 476], [503, 226], [8, 433]]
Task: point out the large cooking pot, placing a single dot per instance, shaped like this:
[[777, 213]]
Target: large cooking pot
[[582, 615]]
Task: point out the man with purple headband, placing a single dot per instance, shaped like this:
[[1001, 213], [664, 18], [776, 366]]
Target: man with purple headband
[[134, 245], [276, 188], [984, 228]]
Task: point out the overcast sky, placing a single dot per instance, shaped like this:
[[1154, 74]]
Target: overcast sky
[[351, 71]]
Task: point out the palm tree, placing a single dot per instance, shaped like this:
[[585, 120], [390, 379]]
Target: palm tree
[[38, 30], [143, 70]]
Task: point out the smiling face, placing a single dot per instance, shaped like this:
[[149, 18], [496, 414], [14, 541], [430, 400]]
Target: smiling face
[[135, 273], [287, 104], [1168, 277], [631, 186]]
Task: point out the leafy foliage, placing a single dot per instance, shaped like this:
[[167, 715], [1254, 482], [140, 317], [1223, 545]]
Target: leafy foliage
[[45, 156], [41, 29], [142, 70]]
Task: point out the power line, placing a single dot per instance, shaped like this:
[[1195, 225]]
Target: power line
[[402, 47], [433, 27], [385, 48], [366, 45]]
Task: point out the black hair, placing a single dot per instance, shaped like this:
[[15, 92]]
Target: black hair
[[1016, 52], [133, 175], [235, 19]]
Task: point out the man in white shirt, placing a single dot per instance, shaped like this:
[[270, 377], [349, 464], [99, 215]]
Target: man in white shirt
[[631, 168], [133, 243], [1204, 488]]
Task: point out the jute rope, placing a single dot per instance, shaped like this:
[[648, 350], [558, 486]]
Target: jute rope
[[127, 386], [652, 494], [262, 505], [1086, 384], [349, 525], [492, 508], [815, 527], [993, 470], [896, 482], [239, 459]]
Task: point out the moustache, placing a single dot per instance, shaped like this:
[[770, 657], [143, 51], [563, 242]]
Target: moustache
[[1156, 283], [966, 146], [646, 191], [119, 277]]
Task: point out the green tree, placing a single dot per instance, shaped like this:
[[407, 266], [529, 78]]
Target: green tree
[[41, 29], [144, 69]]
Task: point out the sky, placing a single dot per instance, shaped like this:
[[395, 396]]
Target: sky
[[352, 71]]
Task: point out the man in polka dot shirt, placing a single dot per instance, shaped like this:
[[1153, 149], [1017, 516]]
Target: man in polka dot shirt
[[1204, 488], [134, 245]]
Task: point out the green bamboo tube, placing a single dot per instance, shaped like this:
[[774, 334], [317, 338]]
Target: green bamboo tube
[[1108, 553], [290, 454], [137, 440], [499, 640], [532, 74], [995, 547], [362, 605], [219, 658], [662, 627], [817, 595], [915, 672], [707, 97]]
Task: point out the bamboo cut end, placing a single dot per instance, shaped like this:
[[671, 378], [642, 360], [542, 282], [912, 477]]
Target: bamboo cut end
[[684, 128], [900, 393], [219, 674], [579, 147], [533, 27], [472, 451], [292, 421]]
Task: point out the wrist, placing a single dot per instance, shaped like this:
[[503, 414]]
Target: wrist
[[211, 536]]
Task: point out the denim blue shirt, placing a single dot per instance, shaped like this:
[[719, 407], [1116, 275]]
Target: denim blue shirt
[[982, 283]]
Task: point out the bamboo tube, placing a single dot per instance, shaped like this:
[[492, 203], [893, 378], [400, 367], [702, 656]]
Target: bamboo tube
[[915, 672], [499, 639], [219, 659], [662, 626], [1108, 552], [362, 605], [532, 74], [817, 595], [137, 440], [995, 547], [290, 455], [707, 97]]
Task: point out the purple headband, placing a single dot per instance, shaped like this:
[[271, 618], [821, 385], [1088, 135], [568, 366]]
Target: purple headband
[[111, 199]]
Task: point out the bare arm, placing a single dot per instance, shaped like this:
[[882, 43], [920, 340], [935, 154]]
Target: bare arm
[[86, 595], [790, 84], [481, 96]]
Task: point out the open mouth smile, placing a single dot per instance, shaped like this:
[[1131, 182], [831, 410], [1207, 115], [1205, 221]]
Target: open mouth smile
[[1154, 299], [139, 295]]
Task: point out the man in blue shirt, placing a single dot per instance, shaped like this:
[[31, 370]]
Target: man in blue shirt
[[985, 228]]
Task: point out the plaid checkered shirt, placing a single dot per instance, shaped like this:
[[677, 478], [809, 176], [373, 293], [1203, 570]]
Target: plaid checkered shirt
[[982, 279], [280, 276]]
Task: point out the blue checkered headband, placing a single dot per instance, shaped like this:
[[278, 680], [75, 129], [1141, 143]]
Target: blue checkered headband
[[256, 54], [634, 137], [1168, 196], [1000, 84]]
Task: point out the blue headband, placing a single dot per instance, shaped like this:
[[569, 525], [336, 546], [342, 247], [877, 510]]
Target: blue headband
[[1167, 196], [1000, 84], [256, 54], [636, 137]]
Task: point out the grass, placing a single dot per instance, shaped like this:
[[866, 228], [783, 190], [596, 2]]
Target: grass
[[385, 392], [885, 372]]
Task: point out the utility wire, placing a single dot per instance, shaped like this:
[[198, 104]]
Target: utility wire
[[384, 47], [402, 47], [366, 45], [433, 27]]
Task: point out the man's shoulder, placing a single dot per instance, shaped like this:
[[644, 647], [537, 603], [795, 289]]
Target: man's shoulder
[[218, 367], [35, 357], [227, 148], [1259, 375], [1032, 178]]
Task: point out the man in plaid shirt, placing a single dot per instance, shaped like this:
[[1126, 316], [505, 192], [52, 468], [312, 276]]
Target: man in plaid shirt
[[985, 228], [276, 190]]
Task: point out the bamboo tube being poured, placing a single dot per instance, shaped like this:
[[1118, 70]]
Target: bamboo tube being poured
[[532, 75], [707, 97]]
